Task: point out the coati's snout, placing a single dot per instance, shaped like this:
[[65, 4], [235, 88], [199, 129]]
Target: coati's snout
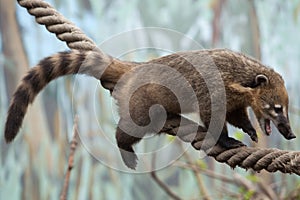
[[283, 126], [286, 131]]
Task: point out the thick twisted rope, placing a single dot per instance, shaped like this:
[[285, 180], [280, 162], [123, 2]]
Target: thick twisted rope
[[271, 160], [56, 23]]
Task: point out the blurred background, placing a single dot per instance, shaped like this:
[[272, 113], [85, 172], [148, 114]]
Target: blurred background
[[33, 166]]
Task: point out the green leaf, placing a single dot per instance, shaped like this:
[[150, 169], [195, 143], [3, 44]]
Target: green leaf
[[252, 178], [201, 164], [170, 138], [239, 135], [249, 194]]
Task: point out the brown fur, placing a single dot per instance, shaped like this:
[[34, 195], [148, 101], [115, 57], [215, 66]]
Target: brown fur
[[246, 82]]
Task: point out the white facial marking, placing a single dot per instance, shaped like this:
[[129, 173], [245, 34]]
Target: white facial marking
[[277, 106], [273, 113], [284, 111], [267, 106]]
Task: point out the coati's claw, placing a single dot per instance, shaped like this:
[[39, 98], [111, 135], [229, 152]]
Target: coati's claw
[[129, 158], [251, 132], [253, 136]]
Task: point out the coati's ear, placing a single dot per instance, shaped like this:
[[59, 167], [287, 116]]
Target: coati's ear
[[261, 79]]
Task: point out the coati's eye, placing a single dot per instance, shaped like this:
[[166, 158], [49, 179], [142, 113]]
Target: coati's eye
[[278, 108]]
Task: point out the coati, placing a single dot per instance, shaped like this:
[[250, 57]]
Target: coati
[[246, 82]]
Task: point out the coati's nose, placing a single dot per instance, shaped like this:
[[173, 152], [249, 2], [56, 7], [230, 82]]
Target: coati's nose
[[291, 136], [286, 131]]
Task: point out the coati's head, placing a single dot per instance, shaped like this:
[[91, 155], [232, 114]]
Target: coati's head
[[269, 101]]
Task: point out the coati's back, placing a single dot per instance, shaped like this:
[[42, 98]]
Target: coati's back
[[218, 69]]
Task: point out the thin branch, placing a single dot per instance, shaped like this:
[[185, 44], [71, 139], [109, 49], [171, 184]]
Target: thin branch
[[201, 185], [73, 146], [266, 189], [237, 179], [162, 184], [206, 172]]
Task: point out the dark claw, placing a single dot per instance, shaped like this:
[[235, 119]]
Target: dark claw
[[252, 133], [253, 136]]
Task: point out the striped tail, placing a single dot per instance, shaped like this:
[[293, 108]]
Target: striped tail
[[91, 63]]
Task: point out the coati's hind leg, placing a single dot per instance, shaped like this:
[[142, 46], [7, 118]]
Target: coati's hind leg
[[239, 118], [125, 143], [176, 125], [131, 129]]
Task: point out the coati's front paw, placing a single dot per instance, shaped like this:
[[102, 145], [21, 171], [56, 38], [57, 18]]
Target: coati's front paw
[[230, 143], [253, 136], [252, 133], [129, 158]]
